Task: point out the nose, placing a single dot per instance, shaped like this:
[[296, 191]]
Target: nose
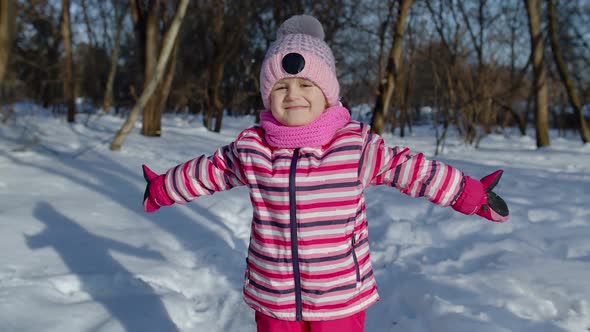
[[292, 92]]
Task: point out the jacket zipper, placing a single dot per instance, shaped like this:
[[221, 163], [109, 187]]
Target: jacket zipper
[[356, 262], [293, 224]]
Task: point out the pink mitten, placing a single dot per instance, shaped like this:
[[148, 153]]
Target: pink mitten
[[155, 194], [478, 198]]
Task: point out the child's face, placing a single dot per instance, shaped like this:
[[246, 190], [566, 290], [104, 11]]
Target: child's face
[[296, 101]]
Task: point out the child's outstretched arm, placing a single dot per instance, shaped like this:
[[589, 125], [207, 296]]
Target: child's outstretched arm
[[197, 177], [417, 176]]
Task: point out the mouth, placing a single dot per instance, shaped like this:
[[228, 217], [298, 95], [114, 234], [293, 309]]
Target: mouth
[[296, 108]]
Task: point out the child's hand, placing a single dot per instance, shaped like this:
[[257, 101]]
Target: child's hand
[[155, 195], [478, 198], [496, 208]]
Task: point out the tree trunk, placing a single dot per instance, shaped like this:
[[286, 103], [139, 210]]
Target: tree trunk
[[138, 18], [540, 75], [521, 120], [166, 84], [7, 29], [151, 113], [168, 42], [108, 95], [404, 112], [213, 104], [387, 87], [225, 46], [216, 103], [68, 81], [382, 35], [89, 31], [564, 74]]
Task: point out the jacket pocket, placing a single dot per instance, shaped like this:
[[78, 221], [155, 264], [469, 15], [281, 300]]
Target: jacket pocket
[[356, 261], [247, 274]]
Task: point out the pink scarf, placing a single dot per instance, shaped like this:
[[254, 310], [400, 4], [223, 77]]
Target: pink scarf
[[316, 133]]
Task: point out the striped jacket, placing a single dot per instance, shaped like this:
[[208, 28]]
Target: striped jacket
[[308, 257]]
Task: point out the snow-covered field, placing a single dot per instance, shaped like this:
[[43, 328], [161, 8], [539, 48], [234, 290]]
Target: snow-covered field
[[77, 252]]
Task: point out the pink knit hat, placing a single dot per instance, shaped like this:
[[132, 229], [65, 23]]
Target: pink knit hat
[[300, 51]]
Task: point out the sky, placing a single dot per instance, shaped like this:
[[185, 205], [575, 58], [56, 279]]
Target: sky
[[77, 252]]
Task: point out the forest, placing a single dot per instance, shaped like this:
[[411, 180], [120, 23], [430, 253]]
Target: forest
[[473, 67], [91, 90]]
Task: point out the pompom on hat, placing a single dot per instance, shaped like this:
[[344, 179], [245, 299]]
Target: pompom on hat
[[300, 51]]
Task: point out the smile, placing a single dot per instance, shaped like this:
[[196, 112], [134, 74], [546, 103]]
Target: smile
[[295, 108]]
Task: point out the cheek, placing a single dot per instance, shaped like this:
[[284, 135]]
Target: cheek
[[275, 98], [275, 109], [272, 104], [275, 113], [320, 101], [319, 98]]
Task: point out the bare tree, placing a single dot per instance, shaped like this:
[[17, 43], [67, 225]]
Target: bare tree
[[564, 74], [441, 116], [87, 22], [147, 26], [227, 32], [7, 29], [407, 82], [120, 13], [387, 87], [482, 84], [516, 90], [68, 80], [539, 73], [448, 61], [168, 44], [382, 33]]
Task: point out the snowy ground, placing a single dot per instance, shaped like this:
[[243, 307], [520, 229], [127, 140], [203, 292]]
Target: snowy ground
[[77, 253]]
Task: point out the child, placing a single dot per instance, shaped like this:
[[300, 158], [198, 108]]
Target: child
[[307, 166]]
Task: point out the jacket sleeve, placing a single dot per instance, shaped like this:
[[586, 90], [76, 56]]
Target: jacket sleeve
[[411, 174], [205, 175]]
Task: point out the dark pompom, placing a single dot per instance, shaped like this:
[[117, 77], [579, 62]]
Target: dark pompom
[[301, 24]]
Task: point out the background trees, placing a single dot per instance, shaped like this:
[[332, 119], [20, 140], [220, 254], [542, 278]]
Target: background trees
[[473, 66]]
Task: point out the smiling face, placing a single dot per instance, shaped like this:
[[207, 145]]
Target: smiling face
[[296, 101]]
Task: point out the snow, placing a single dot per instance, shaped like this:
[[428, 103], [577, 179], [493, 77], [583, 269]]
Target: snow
[[77, 252]]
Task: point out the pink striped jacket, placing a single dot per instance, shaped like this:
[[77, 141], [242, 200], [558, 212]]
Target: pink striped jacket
[[308, 257]]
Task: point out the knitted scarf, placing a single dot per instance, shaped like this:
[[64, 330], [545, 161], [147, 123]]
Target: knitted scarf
[[316, 133]]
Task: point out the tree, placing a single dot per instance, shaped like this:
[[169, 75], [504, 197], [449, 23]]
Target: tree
[[387, 87], [37, 51], [516, 90], [68, 80], [120, 14], [447, 64], [168, 44], [146, 23], [7, 29], [539, 73], [483, 80], [225, 37], [407, 81], [564, 74]]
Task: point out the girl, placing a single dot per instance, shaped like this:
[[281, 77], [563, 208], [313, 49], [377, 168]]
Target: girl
[[307, 166]]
